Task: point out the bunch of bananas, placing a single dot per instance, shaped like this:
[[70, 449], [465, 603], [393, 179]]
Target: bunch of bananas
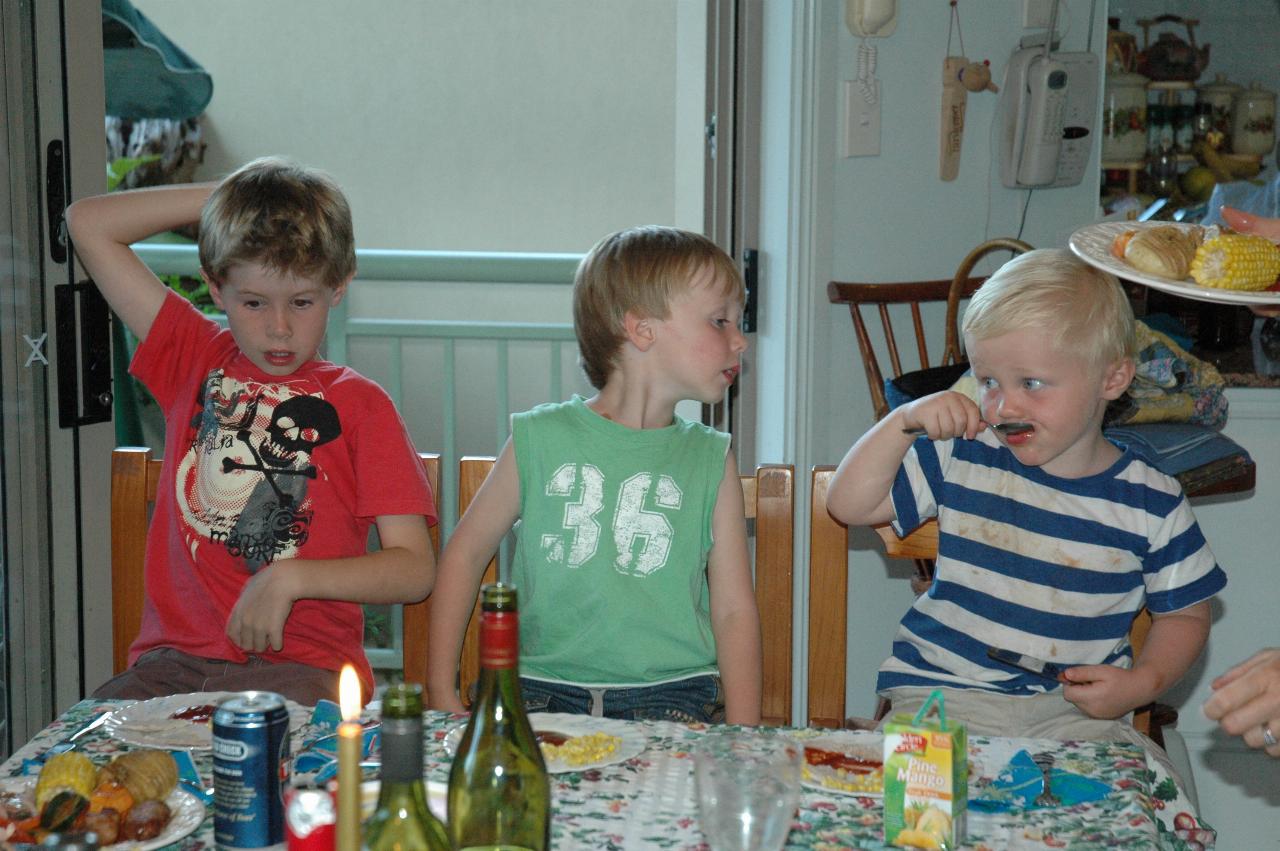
[[1225, 169]]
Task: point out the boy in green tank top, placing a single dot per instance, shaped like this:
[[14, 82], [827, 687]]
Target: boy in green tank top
[[631, 561]]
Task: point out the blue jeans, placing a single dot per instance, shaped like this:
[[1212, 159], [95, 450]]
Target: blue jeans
[[694, 699]]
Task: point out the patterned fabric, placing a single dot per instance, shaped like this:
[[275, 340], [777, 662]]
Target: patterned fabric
[[649, 801], [1169, 385], [257, 469], [615, 528], [1050, 567]]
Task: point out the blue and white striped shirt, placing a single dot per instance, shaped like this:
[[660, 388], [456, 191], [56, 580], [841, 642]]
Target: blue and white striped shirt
[[1050, 567]]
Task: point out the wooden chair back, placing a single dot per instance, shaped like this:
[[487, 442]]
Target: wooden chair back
[[828, 585], [769, 496], [913, 294], [134, 476]]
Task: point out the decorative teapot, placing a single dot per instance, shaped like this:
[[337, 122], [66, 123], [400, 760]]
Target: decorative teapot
[[1171, 58]]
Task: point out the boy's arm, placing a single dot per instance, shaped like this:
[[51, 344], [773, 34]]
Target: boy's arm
[[859, 491], [475, 539], [735, 621], [402, 570], [1172, 646], [103, 227]]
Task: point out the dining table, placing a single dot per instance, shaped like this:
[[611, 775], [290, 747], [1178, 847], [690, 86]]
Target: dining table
[[646, 798]]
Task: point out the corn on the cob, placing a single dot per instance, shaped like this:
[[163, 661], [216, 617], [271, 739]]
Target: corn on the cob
[[1236, 261], [69, 771]]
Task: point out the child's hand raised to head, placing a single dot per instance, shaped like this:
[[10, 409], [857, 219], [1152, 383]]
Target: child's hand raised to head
[[1105, 691], [943, 415]]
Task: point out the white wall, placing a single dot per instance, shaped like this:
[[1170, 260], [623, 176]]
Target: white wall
[[491, 125]]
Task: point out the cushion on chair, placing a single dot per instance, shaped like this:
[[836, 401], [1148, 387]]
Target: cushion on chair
[[912, 385], [1174, 448]]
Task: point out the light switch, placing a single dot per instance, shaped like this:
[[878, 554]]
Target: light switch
[[861, 136]]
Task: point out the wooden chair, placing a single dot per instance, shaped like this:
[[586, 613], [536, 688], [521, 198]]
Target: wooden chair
[[769, 496], [828, 587], [134, 476]]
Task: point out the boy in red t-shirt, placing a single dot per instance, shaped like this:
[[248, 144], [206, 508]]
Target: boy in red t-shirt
[[276, 461]]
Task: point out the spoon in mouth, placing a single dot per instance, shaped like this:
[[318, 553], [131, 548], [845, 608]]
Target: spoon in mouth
[[1007, 428]]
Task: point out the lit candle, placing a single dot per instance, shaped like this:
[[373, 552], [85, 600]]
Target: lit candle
[[349, 740]]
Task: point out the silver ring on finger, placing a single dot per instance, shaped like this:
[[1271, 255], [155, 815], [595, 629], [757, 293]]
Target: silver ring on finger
[[1268, 737]]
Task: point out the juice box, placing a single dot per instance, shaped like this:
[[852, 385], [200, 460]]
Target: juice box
[[926, 780]]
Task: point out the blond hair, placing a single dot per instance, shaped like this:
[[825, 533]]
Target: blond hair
[[287, 217], [1082, 310], [640, 269]]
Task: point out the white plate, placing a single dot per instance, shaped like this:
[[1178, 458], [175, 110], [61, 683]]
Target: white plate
[[186, 812], [825, 779], [632, 745], [437, 798], [1092, 243], [149, 723]]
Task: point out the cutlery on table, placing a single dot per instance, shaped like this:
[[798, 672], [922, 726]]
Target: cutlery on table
[[70, 742], [1044, 760]]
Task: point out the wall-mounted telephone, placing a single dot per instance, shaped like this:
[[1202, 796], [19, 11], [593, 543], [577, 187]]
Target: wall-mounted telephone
[[1047, 114], [871, 18]]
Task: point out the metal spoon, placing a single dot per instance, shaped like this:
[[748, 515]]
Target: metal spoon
[[1011, 427], [1044, 760]]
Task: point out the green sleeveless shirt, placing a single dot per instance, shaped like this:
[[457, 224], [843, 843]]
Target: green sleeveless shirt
[[612, 546]]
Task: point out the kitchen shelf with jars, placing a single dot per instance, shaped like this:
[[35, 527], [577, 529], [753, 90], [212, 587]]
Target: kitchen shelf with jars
[[1167, 136]]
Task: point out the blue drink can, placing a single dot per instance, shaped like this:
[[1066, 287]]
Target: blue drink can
[[250, 756]]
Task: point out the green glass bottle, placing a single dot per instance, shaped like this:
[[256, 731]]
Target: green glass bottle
[[402, 820], [499, 794]]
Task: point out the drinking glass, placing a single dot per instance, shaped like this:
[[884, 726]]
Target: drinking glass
[[748, 786]]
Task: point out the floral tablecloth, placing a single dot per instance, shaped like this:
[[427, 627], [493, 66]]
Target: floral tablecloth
[[648, 801]]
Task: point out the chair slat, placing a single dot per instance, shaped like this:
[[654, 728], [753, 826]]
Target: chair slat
[[773, 489], [417, 616], [828, 609]]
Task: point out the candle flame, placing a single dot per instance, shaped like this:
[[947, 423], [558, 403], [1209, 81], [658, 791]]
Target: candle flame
[[349, 693]]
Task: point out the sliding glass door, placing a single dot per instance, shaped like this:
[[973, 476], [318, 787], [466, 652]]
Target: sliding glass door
[[54, 538]]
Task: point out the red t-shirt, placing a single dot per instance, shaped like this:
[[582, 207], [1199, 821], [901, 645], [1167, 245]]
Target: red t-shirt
[[259, 468]]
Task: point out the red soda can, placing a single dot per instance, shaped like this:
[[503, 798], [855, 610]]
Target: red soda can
[[310, 820]]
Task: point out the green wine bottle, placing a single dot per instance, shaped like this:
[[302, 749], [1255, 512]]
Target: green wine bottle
[[499, 795], [402, 820]]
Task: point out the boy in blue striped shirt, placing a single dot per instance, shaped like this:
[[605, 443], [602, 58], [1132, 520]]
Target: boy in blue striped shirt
[[1050, 539]]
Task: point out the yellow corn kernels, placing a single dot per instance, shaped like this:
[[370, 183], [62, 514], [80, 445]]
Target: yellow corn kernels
[[1236, 261], [70, 771]]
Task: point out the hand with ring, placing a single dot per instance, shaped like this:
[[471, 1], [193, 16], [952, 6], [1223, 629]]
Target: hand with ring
[[1246, 701]]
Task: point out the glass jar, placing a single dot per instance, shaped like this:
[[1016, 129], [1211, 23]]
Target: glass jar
[[1220, 95], [1124, 117], [1253, 126]]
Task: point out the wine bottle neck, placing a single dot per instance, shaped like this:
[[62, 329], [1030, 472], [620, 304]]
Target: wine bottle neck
[[499, 640], [401, 749]]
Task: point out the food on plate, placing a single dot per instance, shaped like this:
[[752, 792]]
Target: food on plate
[[1165, 250], [202, 714], [71, 771], [145, 820], [123, 800], [850, 769], [1236, 261], [149, 775], [578, 750]]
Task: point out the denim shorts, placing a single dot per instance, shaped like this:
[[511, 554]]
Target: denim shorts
[[698, 698]]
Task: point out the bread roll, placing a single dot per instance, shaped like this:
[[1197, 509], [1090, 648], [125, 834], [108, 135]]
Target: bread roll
[[1165, 250]]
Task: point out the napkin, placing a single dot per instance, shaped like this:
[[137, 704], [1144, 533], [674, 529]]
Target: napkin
[[1021, 781], [317, 762]]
